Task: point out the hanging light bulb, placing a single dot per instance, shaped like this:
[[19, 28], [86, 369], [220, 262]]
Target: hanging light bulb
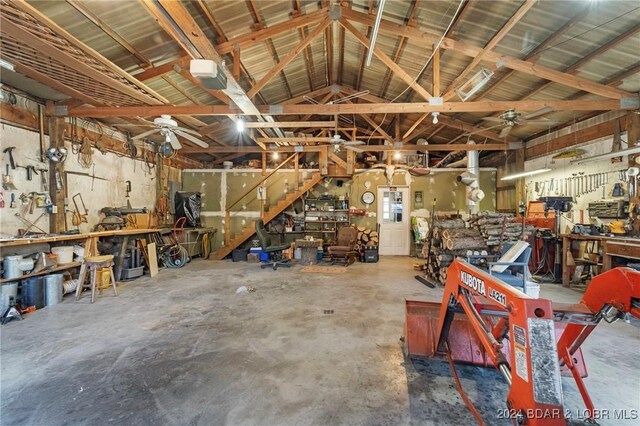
[[396, 155], [275, 155], [435, 115], [240, 124]]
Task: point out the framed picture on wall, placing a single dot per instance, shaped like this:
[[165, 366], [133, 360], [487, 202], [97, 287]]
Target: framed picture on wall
[[417, 200]]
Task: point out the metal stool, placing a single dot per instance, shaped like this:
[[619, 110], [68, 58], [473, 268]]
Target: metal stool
[[94, 263]]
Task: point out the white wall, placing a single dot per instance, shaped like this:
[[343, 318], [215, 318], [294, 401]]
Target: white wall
[[563, 169], [104, 193]]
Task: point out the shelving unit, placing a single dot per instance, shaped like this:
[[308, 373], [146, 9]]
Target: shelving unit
[[331, 213], [45, 272]]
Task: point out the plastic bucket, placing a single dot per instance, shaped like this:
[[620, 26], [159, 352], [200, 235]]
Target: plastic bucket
[[53, 289], [64, 253]]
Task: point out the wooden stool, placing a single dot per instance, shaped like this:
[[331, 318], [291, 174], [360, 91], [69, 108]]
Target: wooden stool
[[94, 263]]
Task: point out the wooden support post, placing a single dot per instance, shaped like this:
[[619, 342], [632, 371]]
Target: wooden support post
[[397, 123], [296, 166], [436, 72], [351, 157], [322, 159], [520, 191], [264, 163], [633, 134], [56, 127], [236, 63], [227, 228]]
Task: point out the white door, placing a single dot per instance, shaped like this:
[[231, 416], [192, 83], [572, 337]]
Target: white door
[[393, 216]]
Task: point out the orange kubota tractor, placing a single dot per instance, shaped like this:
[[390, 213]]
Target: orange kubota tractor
[[483, 321]]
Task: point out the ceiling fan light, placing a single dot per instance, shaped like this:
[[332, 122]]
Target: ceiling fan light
[[240, 124], [167, 137], [435, 115]]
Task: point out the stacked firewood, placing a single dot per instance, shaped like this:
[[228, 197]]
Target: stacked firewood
[[497, 228], [451, 239], [366, 237]]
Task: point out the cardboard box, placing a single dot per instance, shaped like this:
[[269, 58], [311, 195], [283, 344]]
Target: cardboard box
[[253, 258]]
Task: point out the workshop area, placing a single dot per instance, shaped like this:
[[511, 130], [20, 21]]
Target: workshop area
[[320, 212]]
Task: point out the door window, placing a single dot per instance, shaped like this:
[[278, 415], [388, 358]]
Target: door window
[[392, 207]]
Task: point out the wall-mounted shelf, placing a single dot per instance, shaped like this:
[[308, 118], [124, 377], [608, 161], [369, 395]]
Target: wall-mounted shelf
[[44, 272]]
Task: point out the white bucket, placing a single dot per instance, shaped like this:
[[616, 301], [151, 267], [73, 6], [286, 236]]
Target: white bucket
[[227, 164], [64, 253]]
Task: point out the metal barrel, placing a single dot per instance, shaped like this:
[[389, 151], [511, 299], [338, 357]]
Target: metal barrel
[[33, 292], [53, 289]]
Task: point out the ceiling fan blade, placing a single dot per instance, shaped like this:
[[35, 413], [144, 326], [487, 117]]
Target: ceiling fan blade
[[175, 143], [542, 122], [538, 113], [505, 132], [185, 130], [493, 119], [192, 138], [353, 143], [482, 130], [145, 134], [354, 148], [131, 125]]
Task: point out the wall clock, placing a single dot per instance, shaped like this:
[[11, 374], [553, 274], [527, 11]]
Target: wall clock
[[368, 197]]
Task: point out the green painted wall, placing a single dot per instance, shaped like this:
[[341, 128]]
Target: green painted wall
[[449, 194]]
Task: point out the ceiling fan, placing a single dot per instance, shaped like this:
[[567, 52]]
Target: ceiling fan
[[337, 141], [510, 118], [168, 128]]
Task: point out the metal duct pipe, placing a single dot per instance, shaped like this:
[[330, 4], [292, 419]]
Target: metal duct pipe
[[474, 193]]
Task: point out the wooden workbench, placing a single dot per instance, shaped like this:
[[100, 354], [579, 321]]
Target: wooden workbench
[[626, 247], [90, 245]]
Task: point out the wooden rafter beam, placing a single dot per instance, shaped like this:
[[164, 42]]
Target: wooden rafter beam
[[497, 38], [363, 52], [172, 15], [526, 67], [402, 42], [534, 55], [328, 39], [83, 68], [386, 60], [308, 56], [291, 124], [151, 98], [109, 31], [341, 58], [259, 24], [161, 70], [288, 58], [255, 37], [373, 148], [362, 108], [414, 125], [303, 98]]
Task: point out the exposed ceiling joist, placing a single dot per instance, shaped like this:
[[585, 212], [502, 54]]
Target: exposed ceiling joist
[[527, 67], [363, 108], [372, 148], [497, 38]]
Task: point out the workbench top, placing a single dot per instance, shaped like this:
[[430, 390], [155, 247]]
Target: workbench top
[[10, 242]]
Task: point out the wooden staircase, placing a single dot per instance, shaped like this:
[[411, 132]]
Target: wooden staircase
[[267, 217]]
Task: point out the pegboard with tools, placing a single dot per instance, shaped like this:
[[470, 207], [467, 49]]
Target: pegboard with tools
[[576, 184]]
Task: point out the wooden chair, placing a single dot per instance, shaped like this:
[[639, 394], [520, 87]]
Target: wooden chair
[[94, 263]]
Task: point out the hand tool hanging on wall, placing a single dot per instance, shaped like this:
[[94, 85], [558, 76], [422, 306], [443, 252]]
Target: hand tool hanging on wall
[[91, 175], [7, 181], [30, 171], [13, 201], [78, 216], [9, 150], [43, 176], [1, 200], [31, 224]]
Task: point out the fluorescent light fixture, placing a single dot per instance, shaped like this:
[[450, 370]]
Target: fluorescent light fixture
[[524, 174], [7, 65], [608, 155], [474, 84], [374, 33], [240, 124], [435, 115]]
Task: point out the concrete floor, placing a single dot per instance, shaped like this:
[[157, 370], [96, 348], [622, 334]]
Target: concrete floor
[[183, 348]]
